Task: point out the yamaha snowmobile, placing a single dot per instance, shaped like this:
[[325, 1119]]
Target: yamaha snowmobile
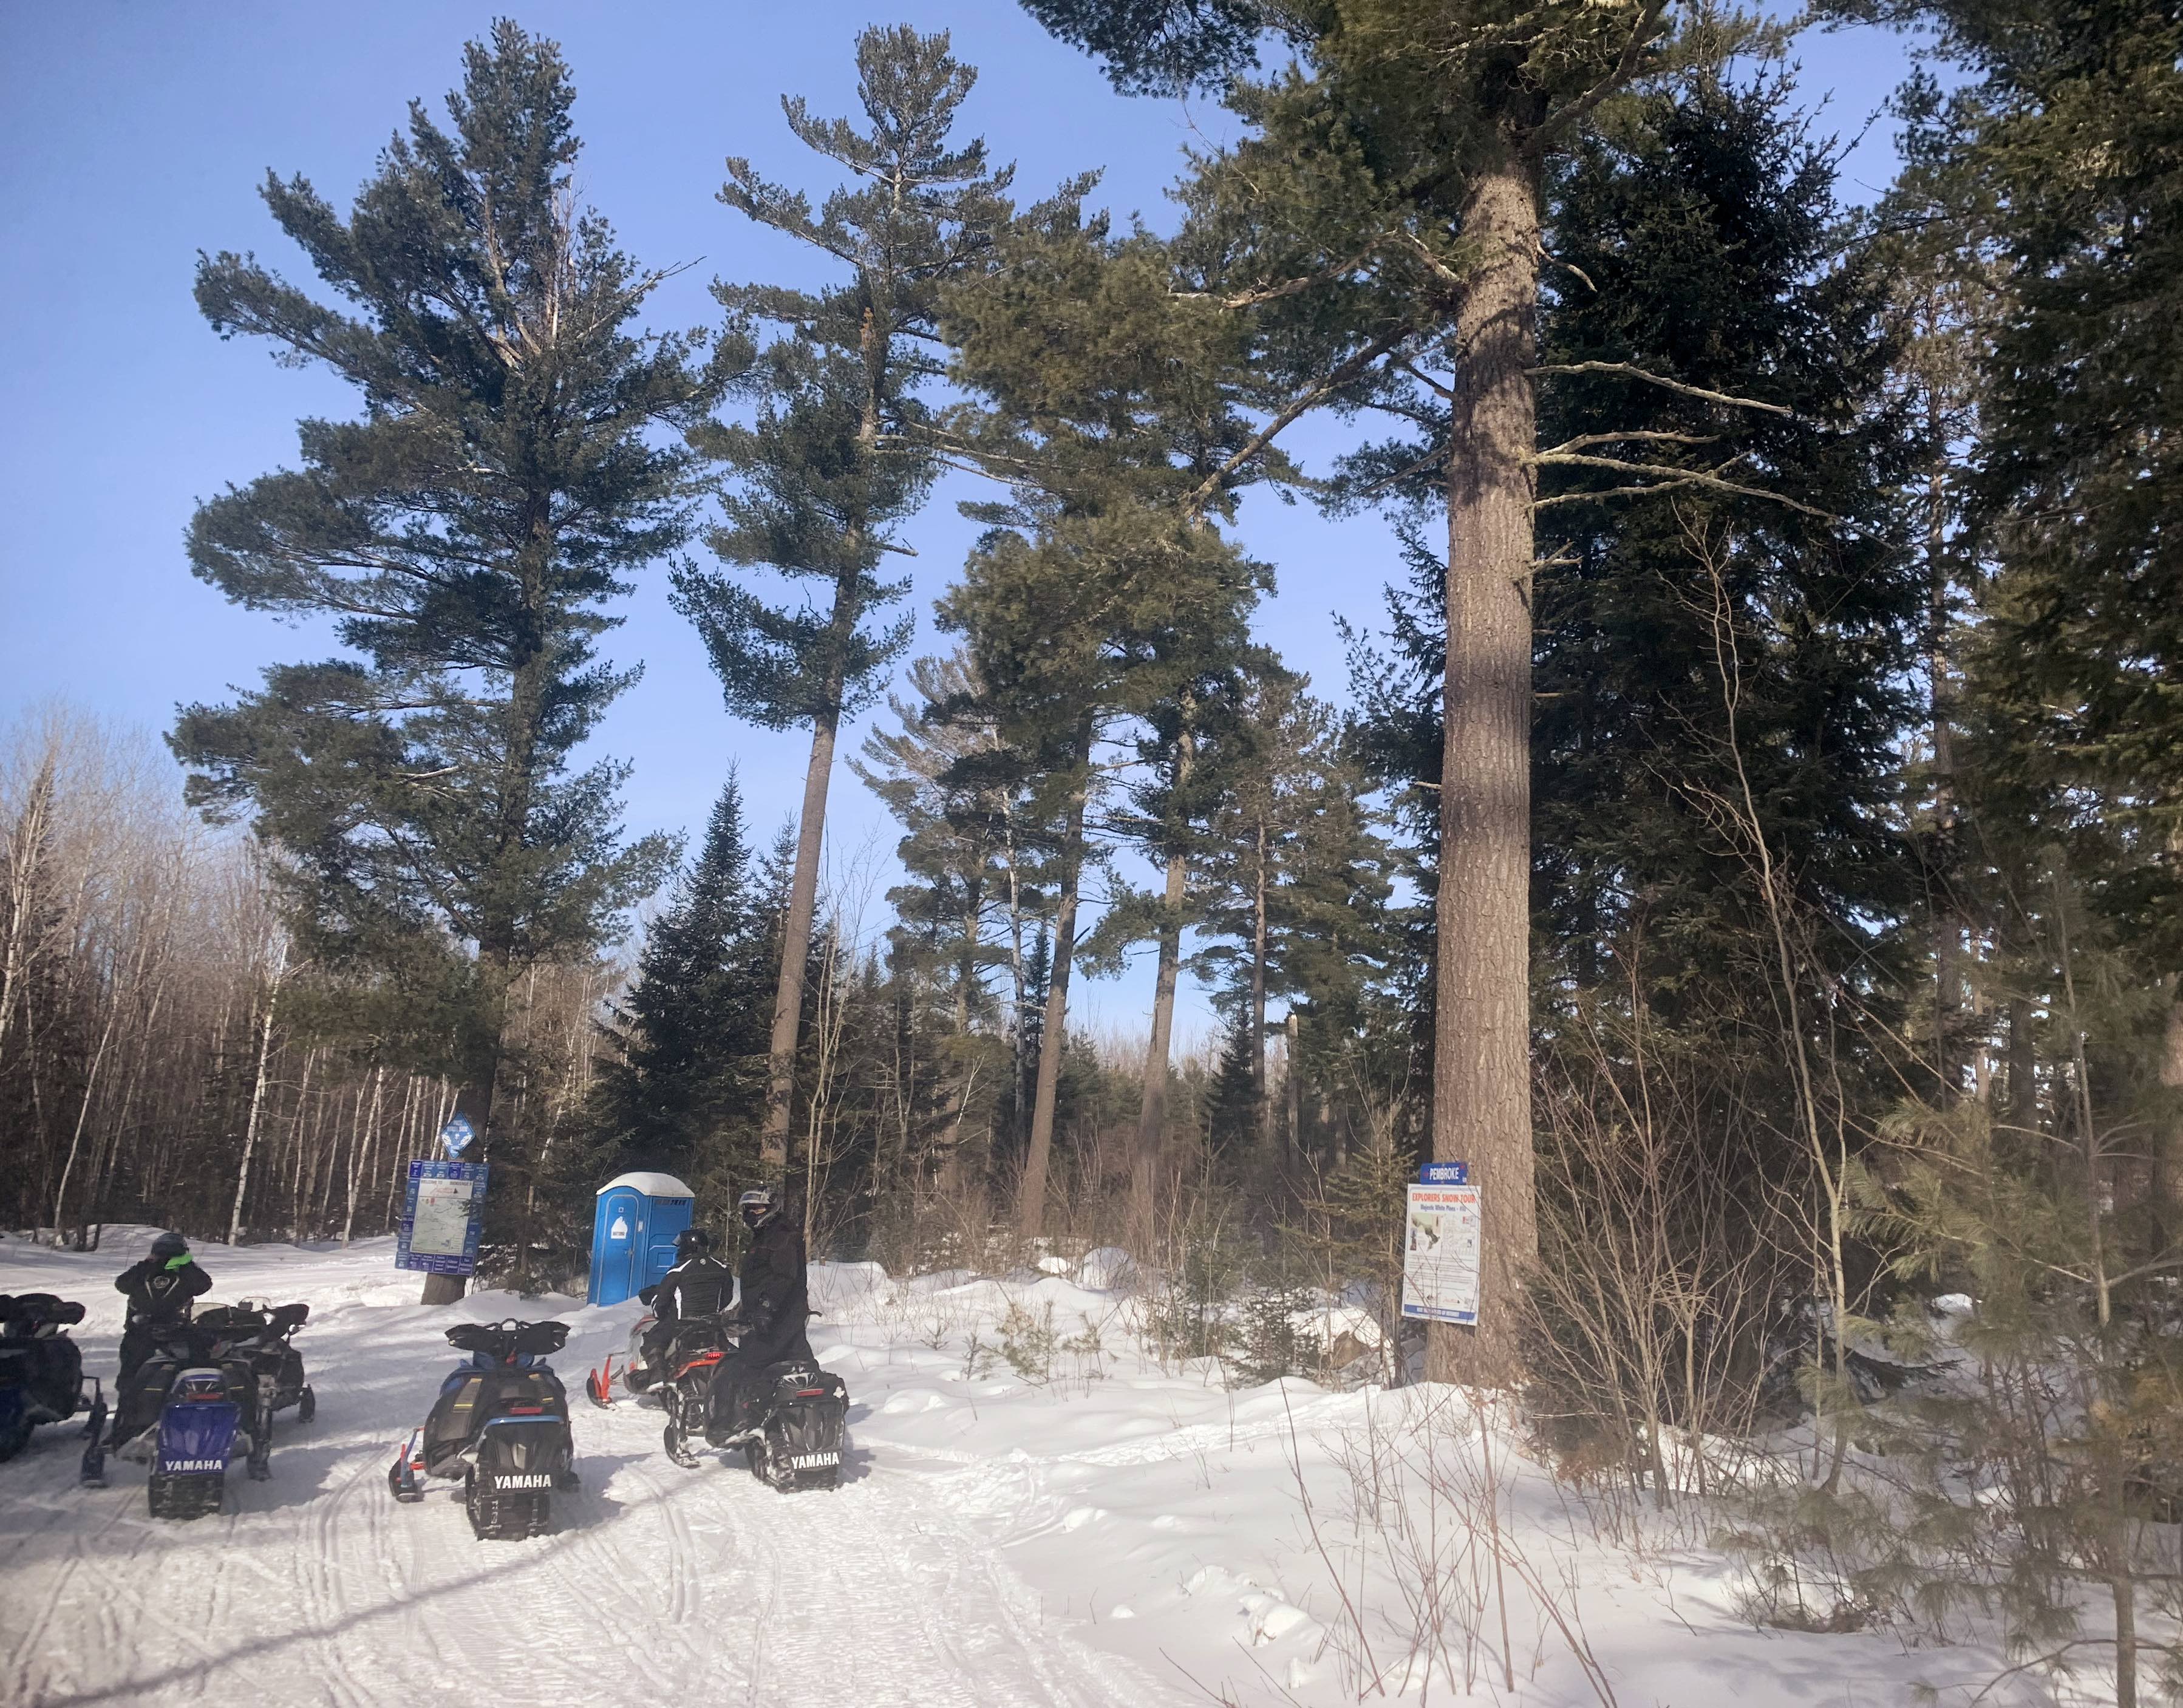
[[501, 1425], [199, 1402], [790, 1419], [279, 1364], [41, 1368]]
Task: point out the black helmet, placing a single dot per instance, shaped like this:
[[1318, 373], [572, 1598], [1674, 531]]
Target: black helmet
[[693, 1242], [756, 1206], [170, 1244]]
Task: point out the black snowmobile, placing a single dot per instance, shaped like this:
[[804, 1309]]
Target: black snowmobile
[[501, 1425], [203, 1397], [41, 1368], [790, 1419], [279, 1364]]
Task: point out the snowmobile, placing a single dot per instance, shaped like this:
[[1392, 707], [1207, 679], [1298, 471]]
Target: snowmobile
[[789, 1419], [792, 1434], [794, 1427], [41, 1368], [501, 1425], [196, 1404], [280, 1366]]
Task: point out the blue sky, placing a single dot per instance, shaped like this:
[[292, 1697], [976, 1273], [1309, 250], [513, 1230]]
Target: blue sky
[[136, 135]]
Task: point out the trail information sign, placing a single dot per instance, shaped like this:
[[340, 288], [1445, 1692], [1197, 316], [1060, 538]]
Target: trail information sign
[[442, 1211], [1440, 1255]]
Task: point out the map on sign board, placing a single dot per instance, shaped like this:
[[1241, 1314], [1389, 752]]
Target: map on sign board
[[443, 1226], [441, 1213], [1440, 1255]]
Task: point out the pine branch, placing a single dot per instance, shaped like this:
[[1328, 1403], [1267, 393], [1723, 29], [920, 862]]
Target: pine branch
[[1636, 372], [1342, 376], [1625, 66], [1706, 478]]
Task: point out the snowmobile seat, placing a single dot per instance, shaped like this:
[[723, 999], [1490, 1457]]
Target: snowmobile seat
[[286, 1319], [231, 1322]]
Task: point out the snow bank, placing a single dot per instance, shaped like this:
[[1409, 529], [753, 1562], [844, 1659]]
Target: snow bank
[[1035, 1513]]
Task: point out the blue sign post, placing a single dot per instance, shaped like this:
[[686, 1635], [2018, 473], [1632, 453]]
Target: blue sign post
[[1444, 1174], [442, 1211]]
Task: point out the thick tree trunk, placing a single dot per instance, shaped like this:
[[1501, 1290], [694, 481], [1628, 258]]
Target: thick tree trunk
[[1031, 1202], [1018, 1063], [1264, 1109], [1481, 1044], [2167, 1194], [1949, 926], [2023, 1072], [796, 952], [1152, 1107]]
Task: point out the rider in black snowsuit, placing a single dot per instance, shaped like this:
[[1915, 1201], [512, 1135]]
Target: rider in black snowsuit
[[698, 1286], [775, 1303], [159, 1288]]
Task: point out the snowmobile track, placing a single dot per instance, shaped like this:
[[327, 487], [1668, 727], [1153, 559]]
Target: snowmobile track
[[316, 1587]]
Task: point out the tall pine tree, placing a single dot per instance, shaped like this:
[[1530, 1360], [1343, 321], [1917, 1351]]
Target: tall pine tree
[[465, 535], [835, 460]]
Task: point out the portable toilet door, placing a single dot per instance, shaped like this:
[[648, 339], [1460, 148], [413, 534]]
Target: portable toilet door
[[617, 1244], [633, 1233], [667, 1216]]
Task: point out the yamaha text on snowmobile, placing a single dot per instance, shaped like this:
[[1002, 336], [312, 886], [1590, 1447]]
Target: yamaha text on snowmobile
[[501, 1425], [41, 1368]]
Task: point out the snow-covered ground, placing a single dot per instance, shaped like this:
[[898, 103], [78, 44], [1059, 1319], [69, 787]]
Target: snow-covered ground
[[1075, 1527]]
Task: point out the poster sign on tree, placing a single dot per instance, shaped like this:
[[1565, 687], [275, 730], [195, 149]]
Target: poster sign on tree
[[1440, 1251], [441, 1212]]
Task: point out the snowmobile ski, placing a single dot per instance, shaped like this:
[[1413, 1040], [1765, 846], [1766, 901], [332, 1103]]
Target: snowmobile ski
[[598, 1385]]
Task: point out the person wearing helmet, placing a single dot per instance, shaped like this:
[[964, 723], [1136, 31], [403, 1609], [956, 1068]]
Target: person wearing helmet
[[698, 1286], [159, 1288], [775, 1302]]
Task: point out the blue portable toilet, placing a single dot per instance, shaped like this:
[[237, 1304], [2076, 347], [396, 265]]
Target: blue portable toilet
[[633, 1233]]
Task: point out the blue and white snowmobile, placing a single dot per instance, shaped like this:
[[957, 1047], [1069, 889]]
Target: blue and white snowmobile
[[41, 1368], [501, 1425], [198, 1403]]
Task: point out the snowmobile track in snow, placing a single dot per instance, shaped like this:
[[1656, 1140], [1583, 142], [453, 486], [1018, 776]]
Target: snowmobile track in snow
[[316, 1587]]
